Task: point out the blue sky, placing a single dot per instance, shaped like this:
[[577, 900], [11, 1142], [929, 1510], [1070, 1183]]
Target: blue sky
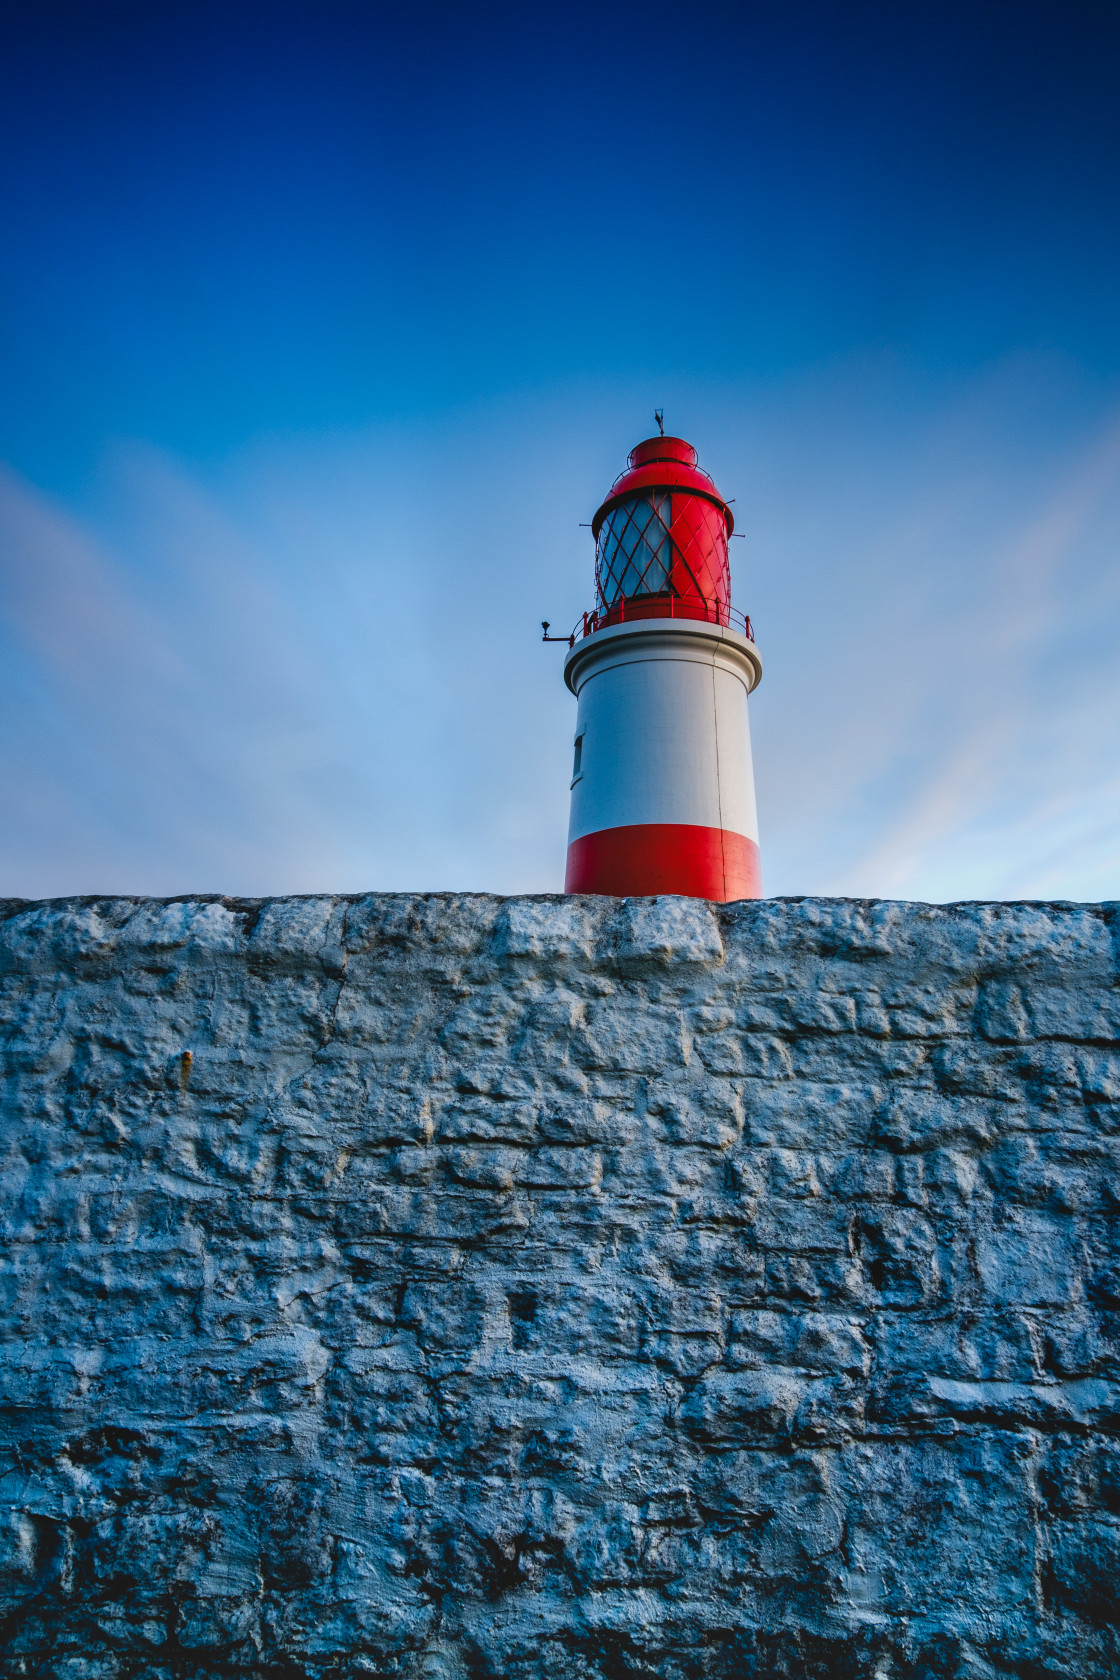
[[322, 328]]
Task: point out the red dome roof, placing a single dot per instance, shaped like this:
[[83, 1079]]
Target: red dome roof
[[662, 449], [662, 463]]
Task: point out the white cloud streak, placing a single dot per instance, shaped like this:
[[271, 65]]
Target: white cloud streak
[[317, 666]]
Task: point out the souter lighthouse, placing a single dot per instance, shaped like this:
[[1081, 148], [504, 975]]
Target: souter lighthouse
[[662, 782]]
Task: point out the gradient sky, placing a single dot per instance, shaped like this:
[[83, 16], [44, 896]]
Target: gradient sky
[[323, 327]]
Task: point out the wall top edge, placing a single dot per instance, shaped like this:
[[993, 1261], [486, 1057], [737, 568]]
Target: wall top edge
[[480, 933], [14, 904]]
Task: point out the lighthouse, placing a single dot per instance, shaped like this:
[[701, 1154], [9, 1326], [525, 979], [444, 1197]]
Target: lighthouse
[[662, 782]]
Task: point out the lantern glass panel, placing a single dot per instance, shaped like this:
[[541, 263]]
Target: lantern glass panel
[[635, 552]]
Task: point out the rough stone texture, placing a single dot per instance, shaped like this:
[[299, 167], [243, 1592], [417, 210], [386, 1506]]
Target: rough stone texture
[[560, 1287]]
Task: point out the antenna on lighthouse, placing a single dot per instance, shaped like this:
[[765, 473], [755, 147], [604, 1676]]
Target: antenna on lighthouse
[[659, 416]]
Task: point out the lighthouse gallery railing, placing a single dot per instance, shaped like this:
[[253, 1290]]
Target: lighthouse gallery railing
[[646, 607]]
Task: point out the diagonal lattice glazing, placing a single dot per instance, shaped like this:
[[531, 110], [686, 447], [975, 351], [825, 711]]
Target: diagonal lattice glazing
[[635, 551]]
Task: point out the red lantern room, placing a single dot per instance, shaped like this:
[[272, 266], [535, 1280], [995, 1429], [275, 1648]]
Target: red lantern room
[[661, 540]]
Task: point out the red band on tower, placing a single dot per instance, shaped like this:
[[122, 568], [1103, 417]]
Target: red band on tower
[[650, 858]]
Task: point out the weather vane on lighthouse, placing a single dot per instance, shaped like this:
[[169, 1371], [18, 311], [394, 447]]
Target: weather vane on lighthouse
[[662, 782]]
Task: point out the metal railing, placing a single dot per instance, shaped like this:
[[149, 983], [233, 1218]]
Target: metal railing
[[646, 607]]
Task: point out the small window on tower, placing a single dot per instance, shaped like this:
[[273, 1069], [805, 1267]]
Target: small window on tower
[[577, 760]]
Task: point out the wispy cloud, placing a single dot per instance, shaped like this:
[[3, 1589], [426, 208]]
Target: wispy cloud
[[998, 776], [285, 696], [317, 665], [153, 710]]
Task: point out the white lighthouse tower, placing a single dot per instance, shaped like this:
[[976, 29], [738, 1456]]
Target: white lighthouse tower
[[662, 782]]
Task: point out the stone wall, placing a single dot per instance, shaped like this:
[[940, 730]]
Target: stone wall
[[449, 1286]]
